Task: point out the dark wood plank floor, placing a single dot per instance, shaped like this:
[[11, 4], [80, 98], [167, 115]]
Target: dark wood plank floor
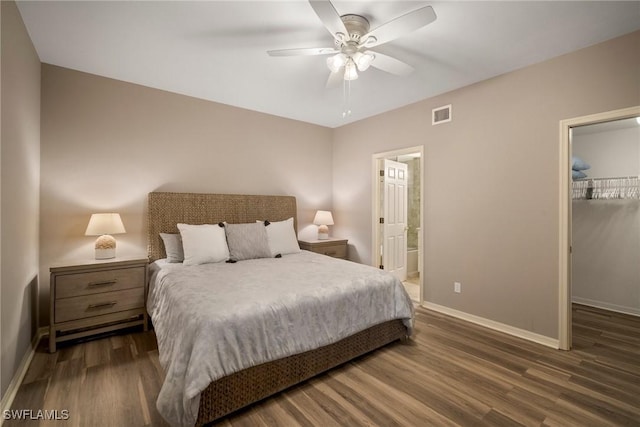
[[451, 373]]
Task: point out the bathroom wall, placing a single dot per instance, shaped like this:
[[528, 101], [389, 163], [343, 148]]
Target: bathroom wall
[[413, 214], [413, 202]]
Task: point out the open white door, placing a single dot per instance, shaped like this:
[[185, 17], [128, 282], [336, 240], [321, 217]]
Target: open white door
[[394, 221]]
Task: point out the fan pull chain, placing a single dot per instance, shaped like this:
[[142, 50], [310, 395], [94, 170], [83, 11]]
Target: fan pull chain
[[346, 98]]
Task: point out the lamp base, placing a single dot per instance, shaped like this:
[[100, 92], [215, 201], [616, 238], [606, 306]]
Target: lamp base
[[105, 253], [105, 247], [323, 232]]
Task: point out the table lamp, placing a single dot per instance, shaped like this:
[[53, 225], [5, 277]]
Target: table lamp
[[104, 225], [323, 219]]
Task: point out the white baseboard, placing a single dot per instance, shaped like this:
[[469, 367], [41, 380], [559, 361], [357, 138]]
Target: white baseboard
[[607, 306], [16, 381], [491, 324]]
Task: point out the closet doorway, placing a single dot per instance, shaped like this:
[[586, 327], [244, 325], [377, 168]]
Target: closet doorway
[[397, 224], [610, 185]]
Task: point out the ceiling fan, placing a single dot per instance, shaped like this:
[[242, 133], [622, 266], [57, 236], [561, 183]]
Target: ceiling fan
[[353, 40]]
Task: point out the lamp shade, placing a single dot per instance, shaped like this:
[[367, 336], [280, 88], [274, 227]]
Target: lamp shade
[[363, 60], [104, 223], [336, 62], [350, 71], [323, 218]]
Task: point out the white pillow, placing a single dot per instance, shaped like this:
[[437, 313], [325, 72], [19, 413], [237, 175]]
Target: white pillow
[[282, 238], [203, 244]]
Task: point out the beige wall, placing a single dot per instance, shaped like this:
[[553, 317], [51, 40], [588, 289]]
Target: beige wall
[[491, 180], [107, 143], [20, 186]]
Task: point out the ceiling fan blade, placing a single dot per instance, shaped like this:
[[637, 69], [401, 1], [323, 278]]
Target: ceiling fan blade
[[400, 26], [335, 78], [391, 65], [303, 51], [329, 16]]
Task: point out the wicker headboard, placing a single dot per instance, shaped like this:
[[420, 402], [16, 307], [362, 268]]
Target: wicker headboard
[[168, 209]]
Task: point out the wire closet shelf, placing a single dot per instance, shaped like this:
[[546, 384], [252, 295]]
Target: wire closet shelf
[[625, 187]]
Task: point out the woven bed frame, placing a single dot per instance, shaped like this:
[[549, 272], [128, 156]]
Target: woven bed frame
[[250, 385]]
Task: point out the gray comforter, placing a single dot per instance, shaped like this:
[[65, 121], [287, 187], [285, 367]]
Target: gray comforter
[[215, 319]]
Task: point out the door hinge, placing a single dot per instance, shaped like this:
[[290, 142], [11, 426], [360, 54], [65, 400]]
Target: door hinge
[[381, 220], [381, 173]]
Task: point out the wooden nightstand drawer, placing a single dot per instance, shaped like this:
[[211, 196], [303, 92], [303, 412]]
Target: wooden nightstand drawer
[[98, 304], [336, 251], [98, 296], [73, 285], [333, 247]]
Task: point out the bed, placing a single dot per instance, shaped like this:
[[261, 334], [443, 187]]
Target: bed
[[234, 374]]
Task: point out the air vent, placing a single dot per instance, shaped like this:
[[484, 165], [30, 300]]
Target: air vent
[[441, 115]]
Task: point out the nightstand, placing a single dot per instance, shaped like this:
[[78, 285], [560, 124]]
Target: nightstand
[[97, 296], [333, 247]]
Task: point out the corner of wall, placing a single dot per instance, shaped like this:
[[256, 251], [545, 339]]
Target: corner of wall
[[20, 70]]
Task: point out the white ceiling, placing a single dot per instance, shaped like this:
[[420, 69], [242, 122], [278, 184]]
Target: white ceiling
[[216, 50]]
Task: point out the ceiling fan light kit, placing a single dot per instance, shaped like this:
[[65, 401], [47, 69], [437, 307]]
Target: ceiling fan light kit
[[350, 72], [359, 61], [336, 62], [363, 59], [353, 40]]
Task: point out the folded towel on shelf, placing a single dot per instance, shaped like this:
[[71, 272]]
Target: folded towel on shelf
[[577, 164], [578, 174]]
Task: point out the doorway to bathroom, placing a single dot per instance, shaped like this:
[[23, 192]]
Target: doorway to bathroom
[[397, 232]]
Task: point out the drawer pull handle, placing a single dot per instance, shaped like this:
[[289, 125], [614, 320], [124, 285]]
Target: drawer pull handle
[[102, 305], [102, 283]]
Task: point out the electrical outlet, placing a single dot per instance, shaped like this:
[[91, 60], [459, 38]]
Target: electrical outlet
[[457, 287]]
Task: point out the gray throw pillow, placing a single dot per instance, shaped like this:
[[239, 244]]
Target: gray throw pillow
[[247, 241], [173, 247]]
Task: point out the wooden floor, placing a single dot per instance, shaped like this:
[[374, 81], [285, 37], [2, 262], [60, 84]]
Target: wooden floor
[[451, 373]]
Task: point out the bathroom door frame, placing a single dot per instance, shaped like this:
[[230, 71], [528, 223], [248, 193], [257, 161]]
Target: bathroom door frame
[[564, 249], [376, 214]]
